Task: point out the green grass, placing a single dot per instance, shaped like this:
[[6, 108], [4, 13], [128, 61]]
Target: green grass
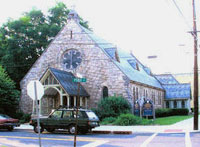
[[171, 119]]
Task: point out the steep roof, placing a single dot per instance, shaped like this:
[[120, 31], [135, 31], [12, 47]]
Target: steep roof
[[166, 79], [180, 91], [128, 64], [65, 79], [174, 89]]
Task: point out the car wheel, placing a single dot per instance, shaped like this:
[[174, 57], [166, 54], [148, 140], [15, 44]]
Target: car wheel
[[50, 129], [71, 129], [36, 128], [10, 128]]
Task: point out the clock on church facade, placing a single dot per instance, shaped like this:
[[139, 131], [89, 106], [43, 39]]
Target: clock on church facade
[[72, 59]]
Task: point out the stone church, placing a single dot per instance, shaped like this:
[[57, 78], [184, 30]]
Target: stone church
[[108, 71]]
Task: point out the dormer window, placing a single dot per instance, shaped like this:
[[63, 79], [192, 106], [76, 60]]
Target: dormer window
[[148, 71], [134, 64]]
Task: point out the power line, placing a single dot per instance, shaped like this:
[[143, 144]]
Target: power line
[[181, 13]]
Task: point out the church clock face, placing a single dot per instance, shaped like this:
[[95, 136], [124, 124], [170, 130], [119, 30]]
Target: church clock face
[[72, 59]]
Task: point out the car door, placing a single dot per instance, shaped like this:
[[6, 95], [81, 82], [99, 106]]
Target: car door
[[67, 118], [54, 120], [82, 118]]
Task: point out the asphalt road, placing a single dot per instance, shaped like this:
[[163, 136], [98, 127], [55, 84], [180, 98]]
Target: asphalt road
[[27, 138]]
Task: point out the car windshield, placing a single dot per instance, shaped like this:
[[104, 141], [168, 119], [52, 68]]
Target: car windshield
[[1, 117], [91, 115]]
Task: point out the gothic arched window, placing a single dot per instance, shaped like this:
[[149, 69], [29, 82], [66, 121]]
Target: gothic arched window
[[105, 92]]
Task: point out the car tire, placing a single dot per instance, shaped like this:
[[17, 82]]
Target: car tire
[[71, 129], [36, 128], [50, 129], [10, 128]]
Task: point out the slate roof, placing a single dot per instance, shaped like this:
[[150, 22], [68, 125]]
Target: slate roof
[[174, 89], [167, 79], [65, 79], [177, 91], [127, 62]]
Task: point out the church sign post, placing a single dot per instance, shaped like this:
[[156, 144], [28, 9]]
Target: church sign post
[[36, 90]]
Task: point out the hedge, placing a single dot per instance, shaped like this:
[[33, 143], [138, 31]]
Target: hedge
[[163, 112]]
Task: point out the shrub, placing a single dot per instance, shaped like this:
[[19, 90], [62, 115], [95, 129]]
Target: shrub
[[127, 120], [163, 112], [180, 111], [112, 107], [171, 112], [108, 120]]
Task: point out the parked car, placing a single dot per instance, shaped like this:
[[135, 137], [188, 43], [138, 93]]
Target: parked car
[[65, 118], [6, 122]]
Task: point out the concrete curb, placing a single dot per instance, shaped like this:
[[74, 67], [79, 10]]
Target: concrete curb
[[112, 132], [122, 132], [101, 132]]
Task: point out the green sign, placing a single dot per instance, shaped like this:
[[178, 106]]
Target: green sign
[[79, 80]]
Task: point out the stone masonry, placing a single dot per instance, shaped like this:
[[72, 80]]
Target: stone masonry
[[96, 66]]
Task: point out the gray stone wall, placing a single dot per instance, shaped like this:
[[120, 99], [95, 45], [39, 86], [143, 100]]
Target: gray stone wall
[[96, 66]]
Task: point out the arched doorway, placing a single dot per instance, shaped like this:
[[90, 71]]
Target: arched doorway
[[50, 100]]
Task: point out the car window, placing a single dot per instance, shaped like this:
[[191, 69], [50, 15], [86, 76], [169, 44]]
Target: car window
[[56, 114], [91, 115], [80, 114], [1, 117], [5, 116], [67, 114]]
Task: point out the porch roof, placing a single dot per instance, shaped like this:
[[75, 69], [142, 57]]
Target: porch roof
[[65, 79]]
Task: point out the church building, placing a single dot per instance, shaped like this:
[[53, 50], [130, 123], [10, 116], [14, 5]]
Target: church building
[[108, 71]]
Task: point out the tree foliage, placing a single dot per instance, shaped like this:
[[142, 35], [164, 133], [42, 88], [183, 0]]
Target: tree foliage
[[9, 96], [22, 41]]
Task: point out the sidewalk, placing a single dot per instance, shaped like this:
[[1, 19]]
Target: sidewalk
[[183, 126]]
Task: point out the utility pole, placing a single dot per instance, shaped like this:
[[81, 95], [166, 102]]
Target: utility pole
[[196, 103]]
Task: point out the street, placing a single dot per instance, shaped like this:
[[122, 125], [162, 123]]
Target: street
[[19, 138]]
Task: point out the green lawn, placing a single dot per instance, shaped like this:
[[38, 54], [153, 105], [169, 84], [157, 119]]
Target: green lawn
[[170, 120]]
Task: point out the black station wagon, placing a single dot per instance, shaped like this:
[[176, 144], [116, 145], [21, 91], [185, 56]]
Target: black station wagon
[[65, 118]]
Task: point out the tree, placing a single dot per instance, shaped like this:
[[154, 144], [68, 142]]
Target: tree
[[9, 96], [22, 41]]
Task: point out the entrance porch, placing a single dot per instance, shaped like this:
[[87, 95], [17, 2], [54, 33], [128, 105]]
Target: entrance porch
[[60, 91]]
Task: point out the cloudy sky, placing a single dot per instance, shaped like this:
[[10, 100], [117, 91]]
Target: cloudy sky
[[145, 27]]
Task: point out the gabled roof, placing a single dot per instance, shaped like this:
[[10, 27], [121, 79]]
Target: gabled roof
[[166, 79], [65, 79], [173, 88], [174, 91], [127, 63]]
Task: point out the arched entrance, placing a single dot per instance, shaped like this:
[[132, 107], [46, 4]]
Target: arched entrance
[[50, 100]]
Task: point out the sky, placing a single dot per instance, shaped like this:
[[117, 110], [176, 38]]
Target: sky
[[143, 27]]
